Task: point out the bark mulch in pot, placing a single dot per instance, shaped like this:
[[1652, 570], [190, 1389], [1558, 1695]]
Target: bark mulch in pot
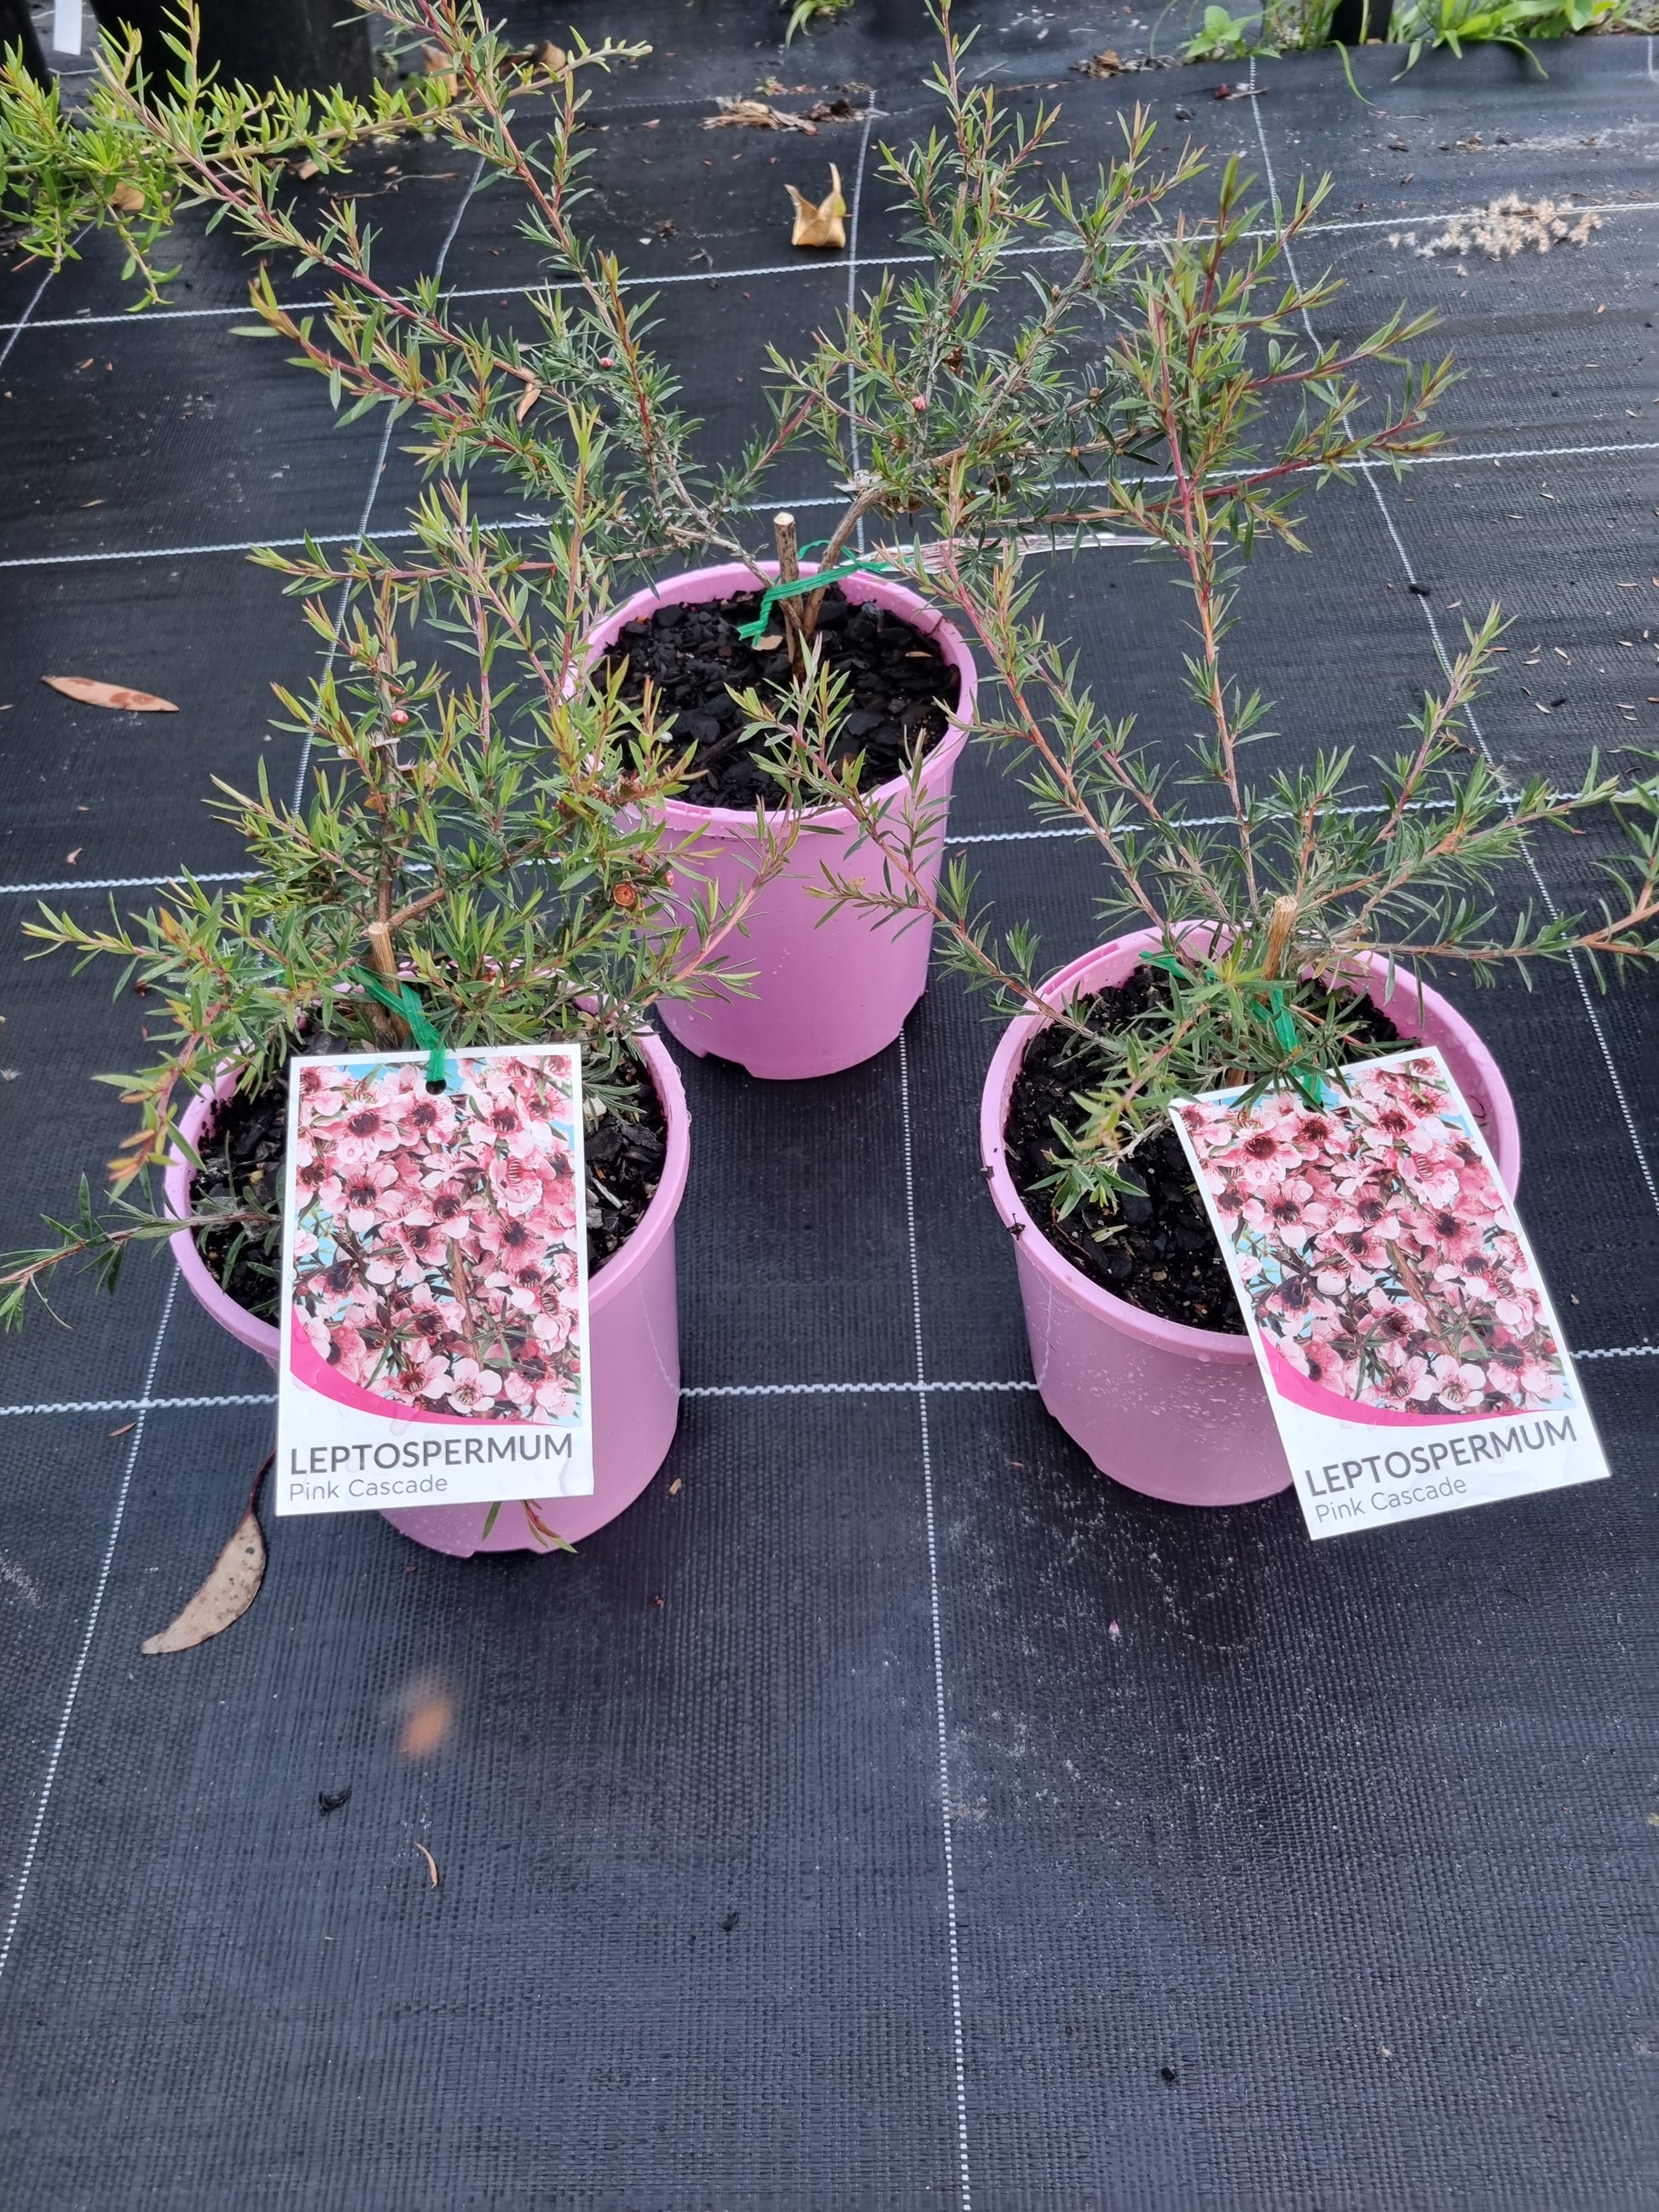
[[1161, 1253], [245, 1141], [901, 689]]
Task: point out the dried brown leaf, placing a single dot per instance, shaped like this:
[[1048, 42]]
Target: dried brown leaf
[[93, 693], [431, 1863], [308, 168], [821, 225], [1104, 64], [224, 1597], [756, 115], [532, 392], [126, 199]]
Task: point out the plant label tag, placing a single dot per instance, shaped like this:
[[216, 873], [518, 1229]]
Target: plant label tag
[[1412, 1359], [434, 1319]]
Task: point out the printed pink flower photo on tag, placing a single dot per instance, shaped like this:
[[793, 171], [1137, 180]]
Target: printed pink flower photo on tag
[[436, 1277], [1382, 1257], [1388, 1285]]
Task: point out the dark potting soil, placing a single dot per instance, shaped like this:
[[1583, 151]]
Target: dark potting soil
[[1162, 1255], [900, 690], [246, 1140]]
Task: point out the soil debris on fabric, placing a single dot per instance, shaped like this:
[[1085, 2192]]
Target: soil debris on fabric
[[1505, 228], [1110, 63], [244, 1144], [331, 1801], [900, 690], [1158, 1250]]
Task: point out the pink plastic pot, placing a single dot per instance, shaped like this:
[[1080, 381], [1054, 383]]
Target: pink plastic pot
[[1181, 1413], [828, 990], [634, 1346]]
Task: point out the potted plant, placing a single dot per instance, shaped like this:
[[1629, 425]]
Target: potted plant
[[941, 402], [482, 862], [1277, 926]]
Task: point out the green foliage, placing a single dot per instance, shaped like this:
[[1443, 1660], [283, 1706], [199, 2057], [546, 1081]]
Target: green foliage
[[810, 14], [102, 167], [503, 846], [1221, 37], [1420, 24], [1204, 410]]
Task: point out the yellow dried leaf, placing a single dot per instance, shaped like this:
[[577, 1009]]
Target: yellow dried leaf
[[431, 1865], [126, 199], [532, 392], [224, 1597], [92, 693], [820, 226]]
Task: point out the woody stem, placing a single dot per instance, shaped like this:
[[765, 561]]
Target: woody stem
[[783, 530], [1281, 931]]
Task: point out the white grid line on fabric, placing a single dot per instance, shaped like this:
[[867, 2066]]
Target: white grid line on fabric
[[374, 492], [1598, 1029], [851, 294], [935, 1613], [761, 270], [965, 837], [55, 1755], [123, 883], [17, 328], [84, 1652], [964, 2182], [704, 1390], [916, 1390], [145, 1405], [1497, 455]]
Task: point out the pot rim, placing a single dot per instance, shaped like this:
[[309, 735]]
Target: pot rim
[[729, 576], [611, 1280], [1217, 1345]]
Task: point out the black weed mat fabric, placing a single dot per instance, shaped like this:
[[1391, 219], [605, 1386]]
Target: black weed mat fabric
[[887, 1810]]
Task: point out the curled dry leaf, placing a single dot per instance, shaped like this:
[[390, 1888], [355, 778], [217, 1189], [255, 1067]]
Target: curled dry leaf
[[820, 226], [126, 199], [93, 693], [532, 392], [756, 115], [308, 168], [431, 1865], [224, 1597]]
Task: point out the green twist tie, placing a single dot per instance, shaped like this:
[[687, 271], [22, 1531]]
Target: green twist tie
[[1284, 1031], [814, 582], [405, 1000]]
